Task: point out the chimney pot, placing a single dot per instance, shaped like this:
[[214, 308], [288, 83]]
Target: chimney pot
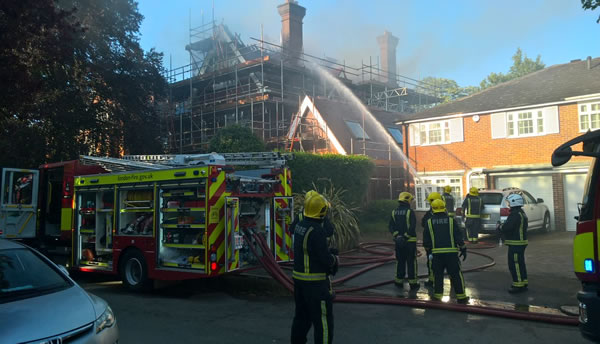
[[589, 62]]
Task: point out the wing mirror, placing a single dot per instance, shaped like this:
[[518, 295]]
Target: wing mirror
[[539, 200], [563, 153]]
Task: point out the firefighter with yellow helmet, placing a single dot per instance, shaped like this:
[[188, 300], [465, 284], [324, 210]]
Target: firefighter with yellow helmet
[[313, 262], [449, 200], [430, 198], [329, 229], [402, 225], [443, 240], [472, 208]]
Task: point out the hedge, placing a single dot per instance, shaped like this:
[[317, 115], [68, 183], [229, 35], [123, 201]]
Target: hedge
[[348, 172]]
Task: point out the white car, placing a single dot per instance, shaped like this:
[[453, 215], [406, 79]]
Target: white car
[[40, 303]]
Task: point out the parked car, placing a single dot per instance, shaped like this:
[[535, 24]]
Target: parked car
[[40, 303], [495, 209]]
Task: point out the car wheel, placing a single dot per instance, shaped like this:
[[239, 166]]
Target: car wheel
[[546, 226], [134, 271]]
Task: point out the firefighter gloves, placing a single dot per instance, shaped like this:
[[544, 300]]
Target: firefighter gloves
[[463, 253]]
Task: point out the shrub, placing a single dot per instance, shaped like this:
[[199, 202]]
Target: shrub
[[235, 138], [376, 215]]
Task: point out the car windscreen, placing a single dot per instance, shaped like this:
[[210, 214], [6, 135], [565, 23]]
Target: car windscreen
[[491, 198], [23, 274]]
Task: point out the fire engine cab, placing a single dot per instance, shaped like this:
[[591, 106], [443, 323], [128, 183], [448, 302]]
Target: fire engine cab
[[586, 245], [164, 217]]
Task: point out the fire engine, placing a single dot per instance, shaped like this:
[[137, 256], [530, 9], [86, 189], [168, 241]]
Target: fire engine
[[586, 245], [158, 217]]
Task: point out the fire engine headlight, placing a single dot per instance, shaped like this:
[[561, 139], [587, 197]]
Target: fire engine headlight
[[588, 265], [583, 318], [106, 320]]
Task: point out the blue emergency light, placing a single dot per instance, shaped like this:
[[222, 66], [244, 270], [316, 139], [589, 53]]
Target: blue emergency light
[[588, 265]]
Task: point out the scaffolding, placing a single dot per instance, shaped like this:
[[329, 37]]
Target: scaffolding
[[260, 86]]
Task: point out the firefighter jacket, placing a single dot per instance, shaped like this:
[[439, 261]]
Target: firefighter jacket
[[426, 217], [472, 207], [403, 222], [327, 225], [442, 235], [312, 260], [449, 200], [514, 229]]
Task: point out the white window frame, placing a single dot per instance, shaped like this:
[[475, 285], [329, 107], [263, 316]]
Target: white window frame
[[585, 109], [437, 183], [426, 128], [512, 119]]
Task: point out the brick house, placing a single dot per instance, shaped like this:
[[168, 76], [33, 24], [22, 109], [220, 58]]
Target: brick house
[[504, 136]]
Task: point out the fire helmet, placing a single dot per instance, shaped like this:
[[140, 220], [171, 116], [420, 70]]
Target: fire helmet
[[514, 200], [473, 191], [447, 189], [405, 197], [438, 206], [316, 207], [433, 196]]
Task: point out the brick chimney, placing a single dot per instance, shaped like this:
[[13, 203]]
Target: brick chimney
[[387, 44], [291, 27]]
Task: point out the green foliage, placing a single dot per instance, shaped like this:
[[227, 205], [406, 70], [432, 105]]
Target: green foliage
[[235, 138], [347, 172], [377, 210], [346, 232], [446, 89], [522, 65], [591, 5], [75, 78]]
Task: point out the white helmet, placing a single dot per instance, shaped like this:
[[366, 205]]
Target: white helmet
[[514, 200]]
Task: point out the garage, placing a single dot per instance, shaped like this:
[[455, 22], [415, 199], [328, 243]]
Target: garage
[[539, 186], [573, 186]]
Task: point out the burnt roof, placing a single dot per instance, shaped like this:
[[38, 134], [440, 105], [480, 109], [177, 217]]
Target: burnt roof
[[548, 85]]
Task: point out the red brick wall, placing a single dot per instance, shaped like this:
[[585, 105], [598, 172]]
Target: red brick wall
[[558, 196]]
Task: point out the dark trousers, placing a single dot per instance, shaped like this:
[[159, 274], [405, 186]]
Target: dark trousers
[[449, 262], [473, 226], [516, 265], [313, 307], [406, 260]]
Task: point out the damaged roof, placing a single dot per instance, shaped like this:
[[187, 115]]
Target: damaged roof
[[548, 85]]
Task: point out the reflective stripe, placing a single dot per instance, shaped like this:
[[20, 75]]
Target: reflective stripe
[[469, 215], [451, 233], [430, 225], [318, 276], [412, 239], [444, 250], [521, 227], [516, 259], [515, 242], [407, 220], [305, 249], [452, 214], [394, 234], [324, 321], [399, 280], [438, 296]]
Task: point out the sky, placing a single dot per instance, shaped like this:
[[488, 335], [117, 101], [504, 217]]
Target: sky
[[463, 40]]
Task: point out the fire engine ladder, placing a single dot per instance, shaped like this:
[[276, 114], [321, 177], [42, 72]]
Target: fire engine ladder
[[118, 165], [264, 159]]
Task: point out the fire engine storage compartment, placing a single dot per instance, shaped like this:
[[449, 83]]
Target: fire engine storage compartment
[[182, 225], [136, 210], [94, 219]]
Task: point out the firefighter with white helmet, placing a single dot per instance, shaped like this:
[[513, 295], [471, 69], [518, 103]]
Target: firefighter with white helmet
[[430, 198], [443, 240], [472, 208], [402, 225], [313, 262], [514, 231]]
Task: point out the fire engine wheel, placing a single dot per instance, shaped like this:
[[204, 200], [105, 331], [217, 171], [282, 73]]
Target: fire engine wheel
[[546, 225], [134, 271]]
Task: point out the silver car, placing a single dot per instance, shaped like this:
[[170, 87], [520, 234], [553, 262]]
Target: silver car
[[40, 303], [495, 209]]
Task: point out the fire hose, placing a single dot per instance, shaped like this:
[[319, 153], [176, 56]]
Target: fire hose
[[275, 270]]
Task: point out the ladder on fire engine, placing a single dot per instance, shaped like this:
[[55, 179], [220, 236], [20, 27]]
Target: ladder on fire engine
[[118, 165], [263, 159]]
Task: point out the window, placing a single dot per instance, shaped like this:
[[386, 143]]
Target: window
[[525, 123], [428, 185], [589, 116], [436, 133], [396, 134], [357, 130]]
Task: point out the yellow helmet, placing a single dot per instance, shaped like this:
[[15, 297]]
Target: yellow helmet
[[438, 206], [433, 196], [316, 207], [310, 193], [405, 197], [473, 191], [447, 189]]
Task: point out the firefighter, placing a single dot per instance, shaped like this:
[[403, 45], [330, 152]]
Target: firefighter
[[449, 200], [472, 208], [326, 222], [443, 240], [514, 231], [402, 226], [312, 264], [430, 198]]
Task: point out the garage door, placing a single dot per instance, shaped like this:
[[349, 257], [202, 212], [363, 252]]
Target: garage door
[[573, 186], [537, 186]]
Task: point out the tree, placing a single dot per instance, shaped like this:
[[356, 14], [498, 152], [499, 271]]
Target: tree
[[591, 5], [235, 138], [75, 81], [445, 89], [522, 65]]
